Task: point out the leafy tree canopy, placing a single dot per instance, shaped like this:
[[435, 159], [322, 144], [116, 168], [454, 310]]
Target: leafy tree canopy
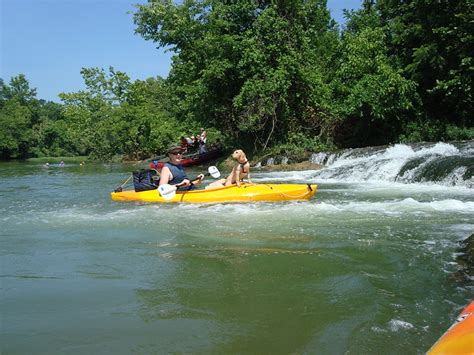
[[265, 75]]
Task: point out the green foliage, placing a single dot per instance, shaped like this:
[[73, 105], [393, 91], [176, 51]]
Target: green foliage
[[265, 75], [298, 148], [18, 90], [214, 136], [433, 39], [15, 122], [17, 112], [50, 139], [421, 130], [459, 133], [299, 144], [250, 69], [430, 130], [113, 87], [115, 116], [372, 96]]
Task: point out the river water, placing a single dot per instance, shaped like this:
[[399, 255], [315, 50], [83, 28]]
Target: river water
[[369, 266]]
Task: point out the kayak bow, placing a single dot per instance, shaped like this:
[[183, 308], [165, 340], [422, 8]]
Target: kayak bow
[[459, 338]]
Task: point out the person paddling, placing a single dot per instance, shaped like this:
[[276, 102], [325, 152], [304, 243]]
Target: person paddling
[[173, 173]]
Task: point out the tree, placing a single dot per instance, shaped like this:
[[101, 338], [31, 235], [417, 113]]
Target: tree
[[248, 68], [116, 116], [17, 110], [434, 41], [18, 89], [372, 96], [15, 122]]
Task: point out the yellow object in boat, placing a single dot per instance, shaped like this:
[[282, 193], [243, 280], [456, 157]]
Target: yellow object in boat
[[244, 193], [459, 338]]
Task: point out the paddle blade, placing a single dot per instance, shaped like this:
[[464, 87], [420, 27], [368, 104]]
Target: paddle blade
[[167, 191], [214, 172]]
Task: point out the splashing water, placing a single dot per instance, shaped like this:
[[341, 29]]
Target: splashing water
[[440, 163]]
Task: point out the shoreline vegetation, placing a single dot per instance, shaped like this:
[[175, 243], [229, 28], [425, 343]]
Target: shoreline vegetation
[[266, 162], [290, 167], [270, 78]]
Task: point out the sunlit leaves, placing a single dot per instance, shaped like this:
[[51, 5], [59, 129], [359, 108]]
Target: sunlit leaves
[[242, 66], [15, 123], [18, 89], [434, 41]]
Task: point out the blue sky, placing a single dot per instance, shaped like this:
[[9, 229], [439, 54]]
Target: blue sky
[[51, 40]]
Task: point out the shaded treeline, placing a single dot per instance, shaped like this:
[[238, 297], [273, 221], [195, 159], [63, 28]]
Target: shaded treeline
[[266, 75]]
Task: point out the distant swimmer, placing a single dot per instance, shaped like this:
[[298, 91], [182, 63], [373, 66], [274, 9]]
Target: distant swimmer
[[61, 163], [82, 163], [46, 165]]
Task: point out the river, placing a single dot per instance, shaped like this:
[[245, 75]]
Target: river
[[368, 266]]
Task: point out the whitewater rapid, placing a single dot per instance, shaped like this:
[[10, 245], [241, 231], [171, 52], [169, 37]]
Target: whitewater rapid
[[445, 164]]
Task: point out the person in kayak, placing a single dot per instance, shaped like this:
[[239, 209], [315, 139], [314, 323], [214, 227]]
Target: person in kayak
[[238, 173], [173, 173], [184, 144], [202, 149], [203, 135]]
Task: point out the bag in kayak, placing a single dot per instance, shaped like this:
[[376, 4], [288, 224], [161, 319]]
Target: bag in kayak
[[144, 180]]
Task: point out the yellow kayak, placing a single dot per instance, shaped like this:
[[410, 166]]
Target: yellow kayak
[[244, 193], [459, 338]]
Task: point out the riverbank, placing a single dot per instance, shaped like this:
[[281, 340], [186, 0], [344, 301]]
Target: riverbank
[[305, 165]]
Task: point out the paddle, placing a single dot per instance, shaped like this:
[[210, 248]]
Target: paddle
[[168, 191]]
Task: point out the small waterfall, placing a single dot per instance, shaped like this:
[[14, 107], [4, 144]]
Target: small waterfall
[[319, 158], [449, 164], [270, 161]]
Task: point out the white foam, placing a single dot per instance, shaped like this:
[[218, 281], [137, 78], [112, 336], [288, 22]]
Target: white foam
[[407, 205], [398, 151], [443, 149], [375, 198], [319, 158], [385, 165], [396, 325], [456, 177]]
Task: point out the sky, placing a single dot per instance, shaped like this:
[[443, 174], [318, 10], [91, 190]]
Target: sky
[[49, 41]]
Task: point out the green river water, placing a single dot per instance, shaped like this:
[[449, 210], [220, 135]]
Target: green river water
[[366, 267]]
